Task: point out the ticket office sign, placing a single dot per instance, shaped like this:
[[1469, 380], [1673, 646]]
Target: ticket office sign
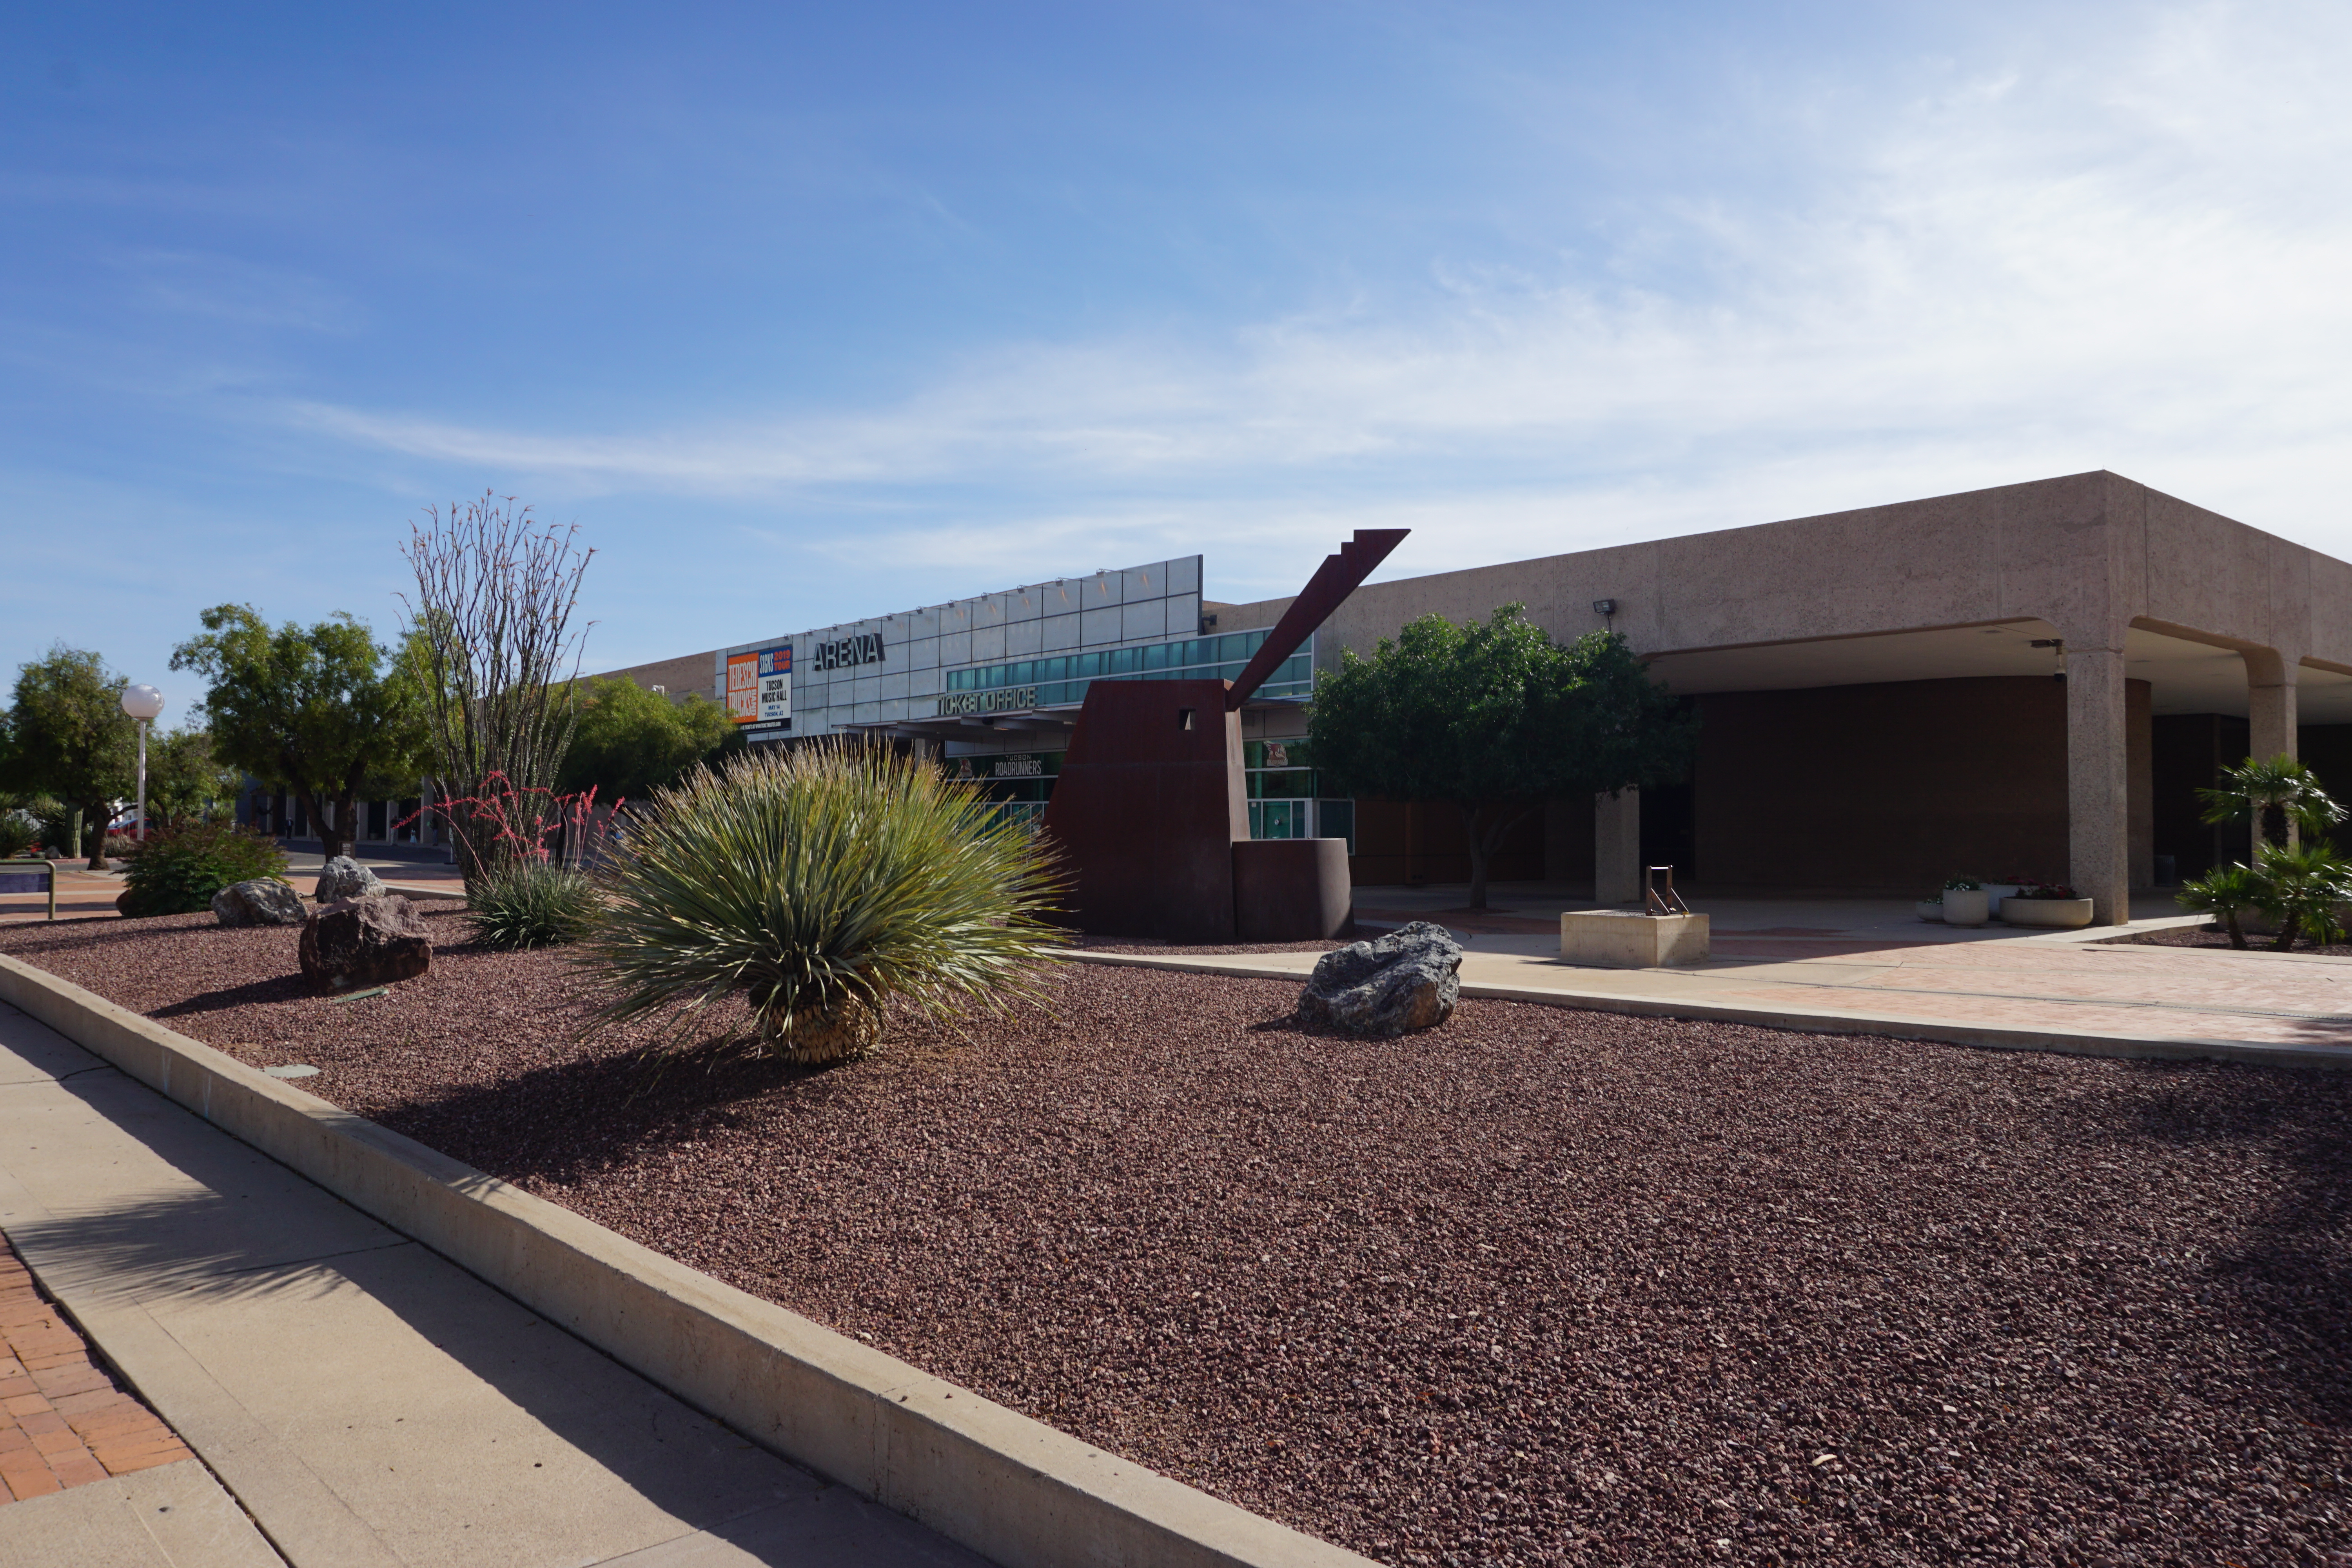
[[760, 687]]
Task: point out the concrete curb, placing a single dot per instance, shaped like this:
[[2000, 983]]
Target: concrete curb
[[1011, 1488], [1815, 1021]]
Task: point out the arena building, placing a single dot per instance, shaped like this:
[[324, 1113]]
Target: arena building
[[2026, 681]]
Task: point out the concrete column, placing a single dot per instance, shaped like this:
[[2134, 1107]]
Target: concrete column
[[2098, 783], [2270, 701], [1617, 848]]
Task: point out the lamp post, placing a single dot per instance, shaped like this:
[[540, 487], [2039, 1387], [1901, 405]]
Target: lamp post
[[142, 703]]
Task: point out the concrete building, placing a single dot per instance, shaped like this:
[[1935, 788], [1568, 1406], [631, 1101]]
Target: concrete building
[[1878, 690]]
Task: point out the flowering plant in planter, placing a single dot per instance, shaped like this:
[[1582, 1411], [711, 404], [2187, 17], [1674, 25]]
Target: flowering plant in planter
[[2028, 887], [1961, 884]]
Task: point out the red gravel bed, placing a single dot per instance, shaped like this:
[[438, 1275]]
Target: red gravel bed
[[1542, 1287], [2215, 936]]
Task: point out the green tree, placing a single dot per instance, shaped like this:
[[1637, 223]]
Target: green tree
[[186, 781], [631, 741], [323, 712], [71, 738], [1498, 718]]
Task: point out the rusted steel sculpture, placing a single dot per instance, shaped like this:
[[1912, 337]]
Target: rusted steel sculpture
[[1152, 801]]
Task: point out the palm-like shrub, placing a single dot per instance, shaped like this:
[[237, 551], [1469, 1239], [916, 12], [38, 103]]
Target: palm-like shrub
[[180, 869], [2301, 888], [814, 885], [2272, 794], [2226, 892], [532, 903]]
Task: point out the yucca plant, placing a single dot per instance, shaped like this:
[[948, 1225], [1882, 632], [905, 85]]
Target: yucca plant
[[532, 903], [814, 885], [2226, 892]]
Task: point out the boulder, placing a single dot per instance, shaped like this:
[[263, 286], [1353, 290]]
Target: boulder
[[263, 901], [1406, 980], [344, 878], [365, 941]]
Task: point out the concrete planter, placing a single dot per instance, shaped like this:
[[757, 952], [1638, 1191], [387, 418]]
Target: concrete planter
[[1930, 910], [1966, 907], [2064, 914], [1620, 939]]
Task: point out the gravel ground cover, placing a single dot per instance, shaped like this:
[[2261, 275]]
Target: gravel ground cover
[[1545, 1287], [2215, 936]]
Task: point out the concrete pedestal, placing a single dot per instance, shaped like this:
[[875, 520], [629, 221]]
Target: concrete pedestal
[[1620, 939]]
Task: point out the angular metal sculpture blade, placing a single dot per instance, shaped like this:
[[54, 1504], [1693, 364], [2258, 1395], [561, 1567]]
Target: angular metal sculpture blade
[[1339, 576]]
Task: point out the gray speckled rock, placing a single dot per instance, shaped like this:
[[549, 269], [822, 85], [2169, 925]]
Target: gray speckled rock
[[344, 878], [1406, 980], [264, 901]]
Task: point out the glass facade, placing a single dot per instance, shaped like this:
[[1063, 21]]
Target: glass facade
[[1064, 680]]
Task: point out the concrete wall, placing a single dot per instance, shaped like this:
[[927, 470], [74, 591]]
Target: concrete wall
[[691, 672], [1405, 842], [1891, 786], [2089, 553]]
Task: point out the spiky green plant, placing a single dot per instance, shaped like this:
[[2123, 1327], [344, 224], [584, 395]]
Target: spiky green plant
[[2301, 888], [532, 903], [814, 885], [2226, 892]]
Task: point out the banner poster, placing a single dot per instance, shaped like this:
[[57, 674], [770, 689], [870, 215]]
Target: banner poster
[[743, 687], [776, 684]]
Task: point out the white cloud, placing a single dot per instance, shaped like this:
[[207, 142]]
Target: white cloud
[[2136, 261]]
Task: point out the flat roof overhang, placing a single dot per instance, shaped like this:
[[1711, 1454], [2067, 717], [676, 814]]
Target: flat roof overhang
[[2185, 676]]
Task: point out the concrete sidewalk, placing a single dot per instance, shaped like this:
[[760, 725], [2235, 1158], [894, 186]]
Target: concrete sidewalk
[[365, 1401], [1854, 963]]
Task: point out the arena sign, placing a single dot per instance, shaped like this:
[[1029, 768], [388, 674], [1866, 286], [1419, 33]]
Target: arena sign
[[842, 653]]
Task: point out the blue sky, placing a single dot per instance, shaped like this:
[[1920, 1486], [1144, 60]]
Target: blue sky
[[803, 313]]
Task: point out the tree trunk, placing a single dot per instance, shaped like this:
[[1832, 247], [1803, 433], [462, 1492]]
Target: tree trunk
[[95, 816], [2285, 941], [2237, 932], [333, 840], [1470, 816], [1486, 841]]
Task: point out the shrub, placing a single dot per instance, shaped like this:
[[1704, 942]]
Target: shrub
[[20, 834], [532, 903], [180, 871], [814, 886]]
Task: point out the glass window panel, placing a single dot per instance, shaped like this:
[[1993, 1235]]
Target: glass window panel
[[1254, 832], [1156, 656], [1236, 645]]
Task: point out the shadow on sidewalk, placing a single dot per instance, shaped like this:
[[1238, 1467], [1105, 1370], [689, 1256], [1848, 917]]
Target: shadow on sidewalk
[[283, 1251]]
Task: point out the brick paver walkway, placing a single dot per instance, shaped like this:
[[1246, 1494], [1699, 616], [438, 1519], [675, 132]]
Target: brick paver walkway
[[62, 1421]]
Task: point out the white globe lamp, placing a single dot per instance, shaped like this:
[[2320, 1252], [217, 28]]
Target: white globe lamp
[[142, 702]]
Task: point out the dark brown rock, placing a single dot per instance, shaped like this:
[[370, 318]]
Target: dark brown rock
[[371, 940]]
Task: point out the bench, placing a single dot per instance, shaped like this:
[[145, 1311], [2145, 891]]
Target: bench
[[31, 877]]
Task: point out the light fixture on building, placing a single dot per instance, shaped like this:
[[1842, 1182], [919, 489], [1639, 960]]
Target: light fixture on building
[[1604, 606], [2059, 646]]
